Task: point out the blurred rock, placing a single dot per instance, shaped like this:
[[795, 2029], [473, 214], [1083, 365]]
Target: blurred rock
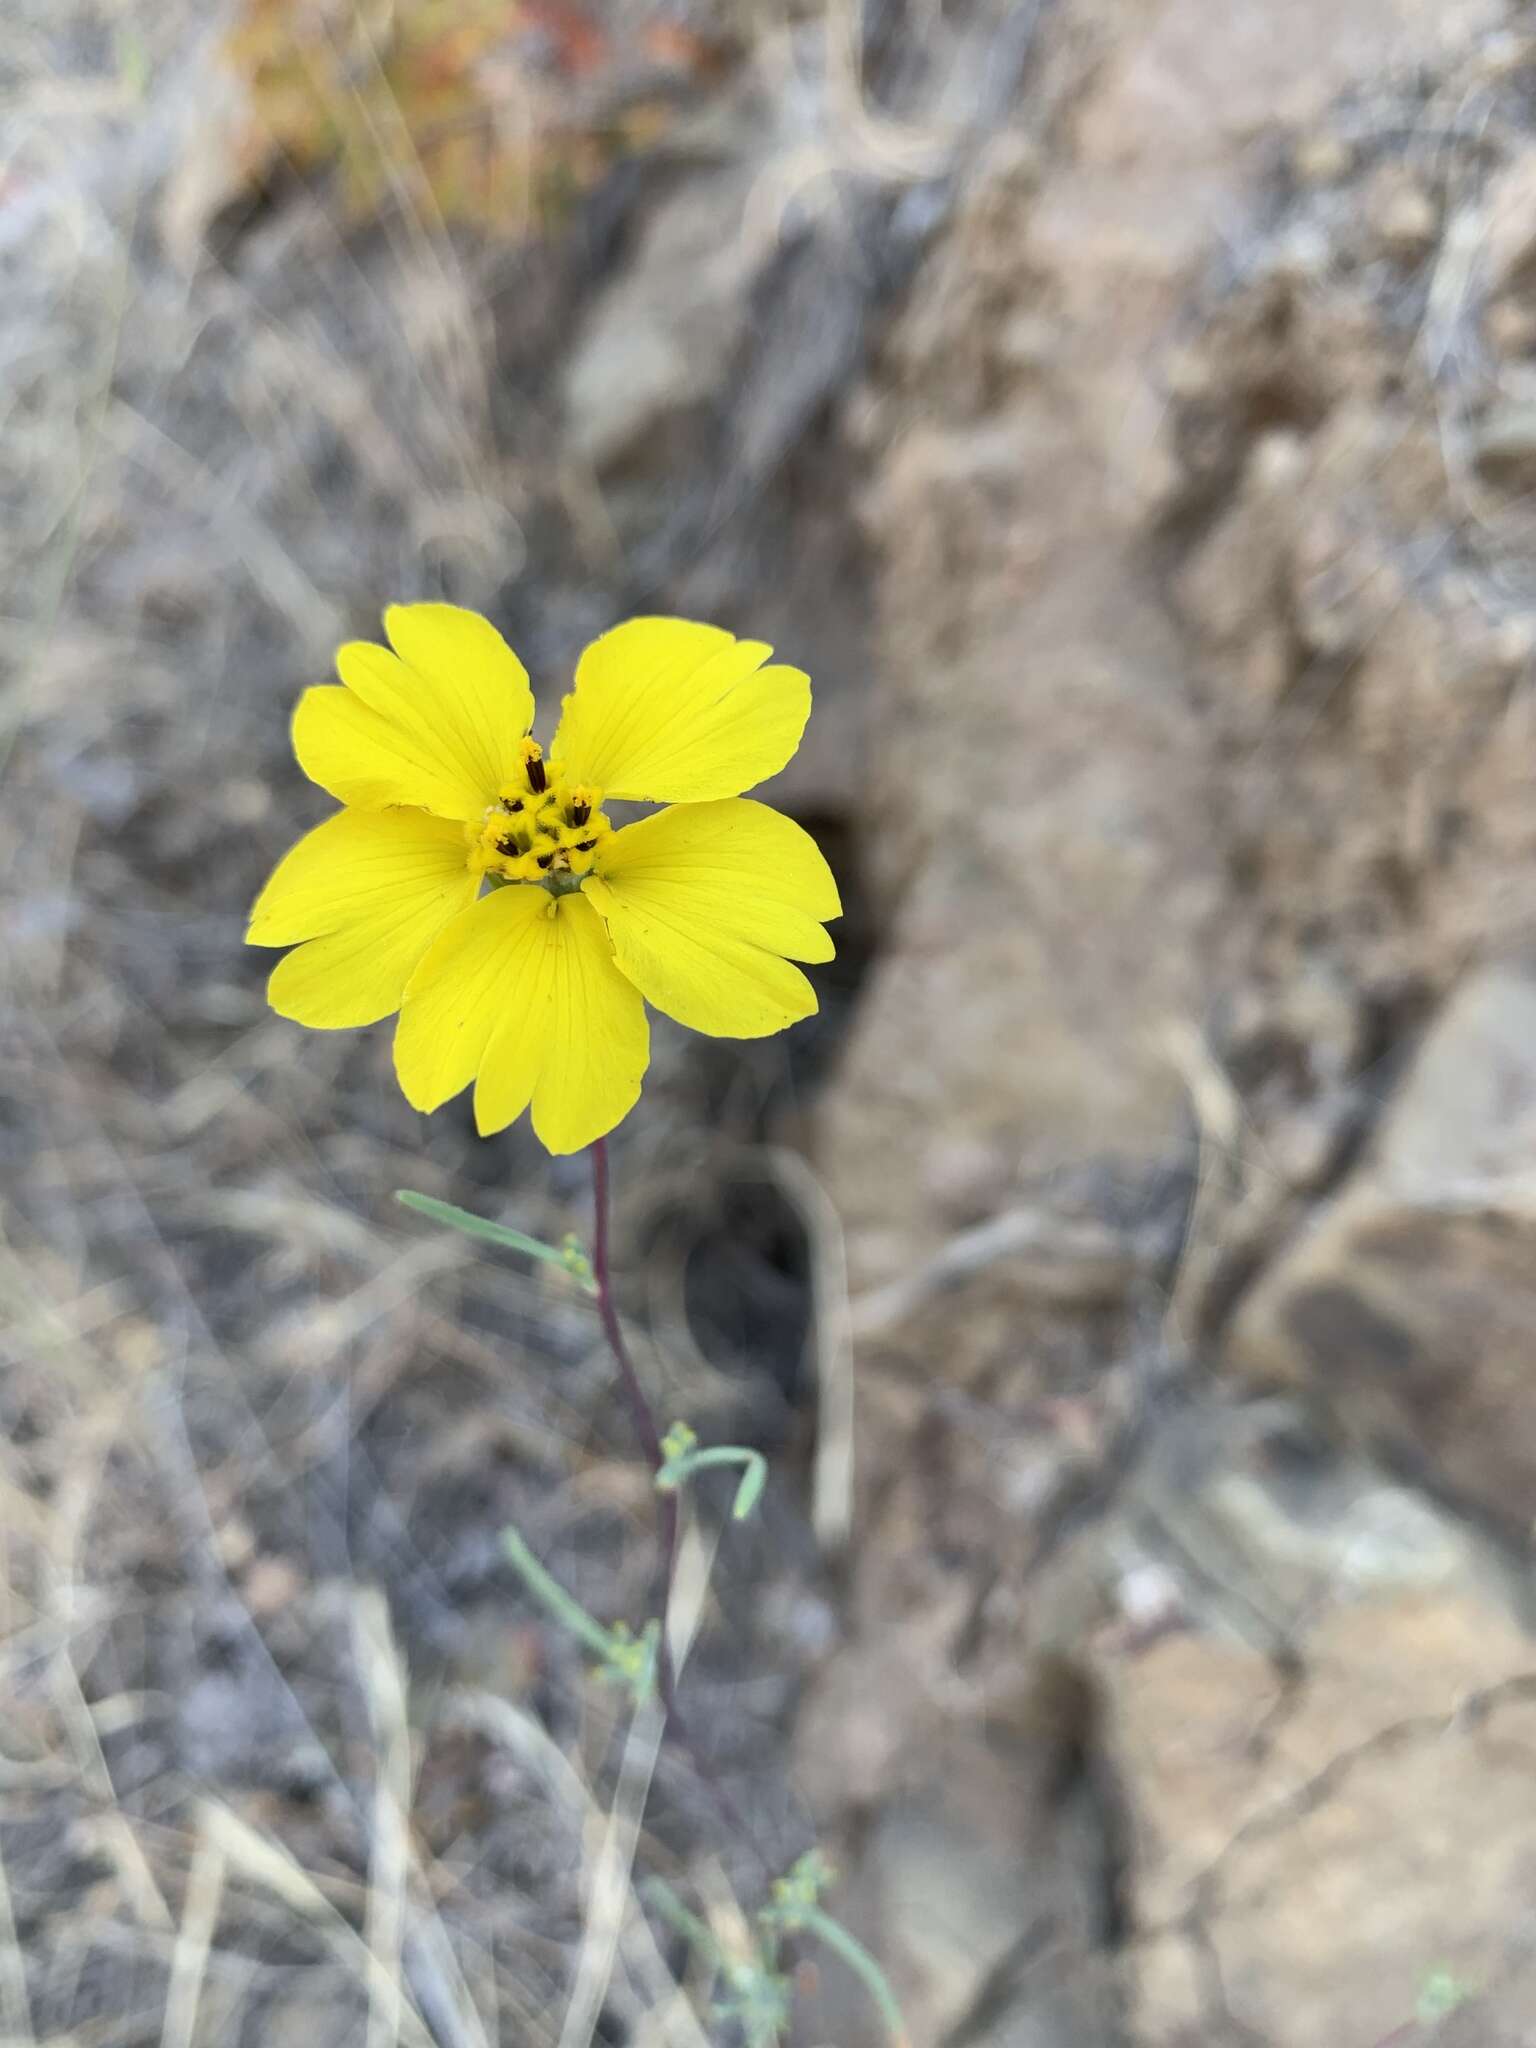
[[659, 339], [1066, 762], [1504, 447], [1408, 1302], [1205, 770], [1267, 1666], [987, 1881], [1403, 214], [1260, 1519], [742, 306], [1336, 1682], [1309, 1862]]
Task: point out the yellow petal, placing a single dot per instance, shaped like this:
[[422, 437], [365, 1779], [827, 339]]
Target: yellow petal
[[595, 1055], [475, 678], [706, 904], [360, 898], [521, 995], [674, 712], [481, 964], [436, 724]]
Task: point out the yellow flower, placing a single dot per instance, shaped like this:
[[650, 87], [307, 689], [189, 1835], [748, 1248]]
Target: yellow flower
[[533, 989]]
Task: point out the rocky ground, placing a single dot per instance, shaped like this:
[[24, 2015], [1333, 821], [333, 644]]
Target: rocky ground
[[1126, 409]]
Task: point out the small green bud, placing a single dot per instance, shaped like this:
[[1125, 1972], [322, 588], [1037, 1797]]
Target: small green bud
[[678, 1442], [574, 1259]]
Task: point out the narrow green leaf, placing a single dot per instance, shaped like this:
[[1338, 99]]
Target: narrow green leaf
[[864, 1967], [549, 1591], [682, 1462], [658, 1893], [570, 1260], [750, 1491]]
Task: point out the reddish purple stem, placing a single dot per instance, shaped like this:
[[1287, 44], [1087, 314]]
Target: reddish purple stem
[[667, 1510]]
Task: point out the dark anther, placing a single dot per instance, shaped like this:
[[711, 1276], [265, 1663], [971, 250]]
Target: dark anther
[[512, 803], [545, 859], [509, 845], [580, 813], [585, 845], [538, 782]]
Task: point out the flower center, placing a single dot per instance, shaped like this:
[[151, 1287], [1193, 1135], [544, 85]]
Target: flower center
[[540, 828]]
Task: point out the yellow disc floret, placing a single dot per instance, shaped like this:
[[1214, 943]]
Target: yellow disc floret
[[540, 829]]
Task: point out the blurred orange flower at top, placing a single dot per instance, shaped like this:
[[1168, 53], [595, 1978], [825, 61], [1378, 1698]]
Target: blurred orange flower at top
[[579, 43], [442, 101]]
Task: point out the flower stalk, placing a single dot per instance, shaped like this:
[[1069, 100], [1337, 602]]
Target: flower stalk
[[471, 885]]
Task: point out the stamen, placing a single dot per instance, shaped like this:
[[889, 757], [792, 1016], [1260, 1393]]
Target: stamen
[[580, 802], [543, 830]]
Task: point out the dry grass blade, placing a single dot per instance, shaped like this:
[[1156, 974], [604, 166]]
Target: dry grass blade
[[832, 1480], [690, 1588], [263, 1862], [15, 2003], [112, 1833], [609, 1886], [400, 1941], [383, 1681], [1219, 1117], [669, 2017], [194, 1941], [1063, 1257]]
